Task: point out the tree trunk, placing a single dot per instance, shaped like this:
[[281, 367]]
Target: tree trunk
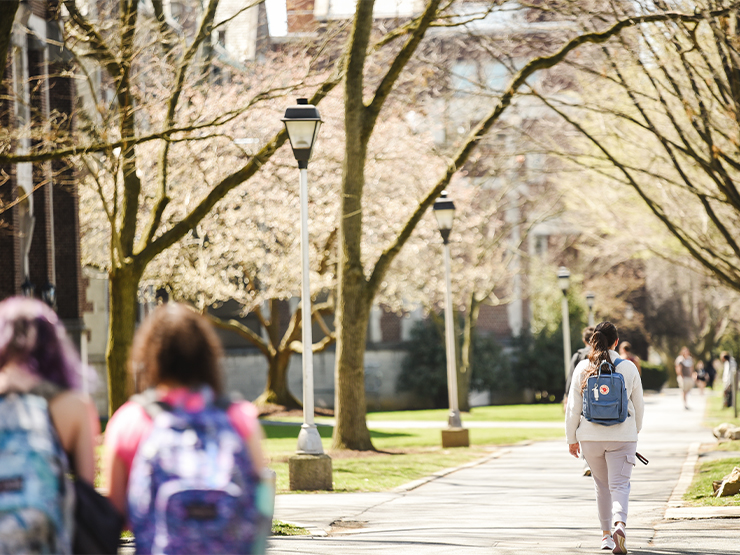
[[124, 285], [350, 407], [276, 391], [466, 355]]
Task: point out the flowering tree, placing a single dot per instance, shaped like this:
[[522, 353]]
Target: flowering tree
[[250, 252]]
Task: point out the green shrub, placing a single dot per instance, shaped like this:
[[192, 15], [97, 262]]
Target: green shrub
[[654, 376], [537, 364], [424, 368]]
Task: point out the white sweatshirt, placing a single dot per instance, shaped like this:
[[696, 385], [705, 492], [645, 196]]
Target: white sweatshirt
[[579, 429]]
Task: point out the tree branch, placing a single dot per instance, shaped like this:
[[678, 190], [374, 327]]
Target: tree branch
[[535, 65]]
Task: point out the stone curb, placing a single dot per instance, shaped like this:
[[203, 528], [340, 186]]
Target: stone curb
[[677, 510]]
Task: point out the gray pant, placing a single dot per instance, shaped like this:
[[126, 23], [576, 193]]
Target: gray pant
[[611, 465]]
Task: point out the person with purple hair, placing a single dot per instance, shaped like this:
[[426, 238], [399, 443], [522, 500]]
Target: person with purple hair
[[39, 375]]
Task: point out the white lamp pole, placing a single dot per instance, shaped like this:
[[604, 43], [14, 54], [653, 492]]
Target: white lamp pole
[[590, 297], [444, 211], [302, 123], [564, 282]]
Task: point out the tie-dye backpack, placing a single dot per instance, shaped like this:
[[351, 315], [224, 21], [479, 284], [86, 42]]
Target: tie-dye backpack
[[192, 487], [35, 500]]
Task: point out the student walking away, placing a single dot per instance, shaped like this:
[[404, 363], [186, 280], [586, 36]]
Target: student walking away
[[685, 373], [580, 354], [729, 369], [184, 464], [625, 352], [46, 430], [602, 420]]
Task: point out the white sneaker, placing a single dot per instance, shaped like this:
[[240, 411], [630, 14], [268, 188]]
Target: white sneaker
[[607, 543]]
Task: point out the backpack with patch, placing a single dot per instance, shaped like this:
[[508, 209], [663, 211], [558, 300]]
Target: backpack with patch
[[605, 396], [35, 501], [193, 487]]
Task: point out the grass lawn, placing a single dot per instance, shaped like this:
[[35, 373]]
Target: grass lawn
[[504, 413], [701, 492], [552, 412], [715, 414], [403, 455]]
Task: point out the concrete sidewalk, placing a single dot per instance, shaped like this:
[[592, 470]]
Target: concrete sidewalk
[[525, 498]]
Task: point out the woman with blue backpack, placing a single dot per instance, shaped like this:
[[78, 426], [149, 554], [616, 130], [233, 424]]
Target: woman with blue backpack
[[47, 430], [181, 461], [602, 419]]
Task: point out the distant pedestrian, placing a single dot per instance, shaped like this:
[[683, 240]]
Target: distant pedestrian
[[701, 376], [686, 373], [625, 351], [580, 354], [46, 429], [184, 465], [609, 450], [711, 368], [729, 372]]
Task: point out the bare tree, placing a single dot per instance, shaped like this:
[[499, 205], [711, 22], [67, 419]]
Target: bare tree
[[665, 123], [356, 288]]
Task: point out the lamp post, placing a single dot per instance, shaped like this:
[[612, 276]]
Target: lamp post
[[590, 297], [564, 282], [310, 468], [302, 123], [444, 211]]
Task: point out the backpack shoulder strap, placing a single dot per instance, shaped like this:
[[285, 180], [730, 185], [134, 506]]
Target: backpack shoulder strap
[[148, 400], [618, 361], [46, 389]]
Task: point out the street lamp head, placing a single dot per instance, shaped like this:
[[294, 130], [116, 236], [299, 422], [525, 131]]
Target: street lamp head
[[49, 294], [302, 123], [590, 300], [27, 288], [444, 211], [564, 279]]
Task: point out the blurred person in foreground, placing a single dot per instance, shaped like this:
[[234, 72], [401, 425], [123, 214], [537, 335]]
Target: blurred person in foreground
[[609, 450], [184, 464], [47, 429]]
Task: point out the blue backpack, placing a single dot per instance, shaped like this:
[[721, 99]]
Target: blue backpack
[[35, 504], [605, 396], [192, 486]]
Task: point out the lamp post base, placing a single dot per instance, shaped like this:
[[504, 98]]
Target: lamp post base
[[455, 437], [310, 472], [309, 441]]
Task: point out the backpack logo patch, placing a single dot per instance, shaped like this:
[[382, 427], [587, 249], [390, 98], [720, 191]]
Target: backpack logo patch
[[604, 389]]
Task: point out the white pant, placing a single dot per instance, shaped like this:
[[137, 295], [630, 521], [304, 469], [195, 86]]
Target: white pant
[[611, 465]]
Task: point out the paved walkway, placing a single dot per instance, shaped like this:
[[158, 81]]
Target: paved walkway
[[525, 498]]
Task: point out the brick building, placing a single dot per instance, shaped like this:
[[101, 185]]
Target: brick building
[[39, 227]]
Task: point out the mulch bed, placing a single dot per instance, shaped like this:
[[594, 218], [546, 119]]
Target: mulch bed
[[279, 411]]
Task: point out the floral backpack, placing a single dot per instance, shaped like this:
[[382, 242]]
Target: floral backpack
[[36, 503], [192, 487]]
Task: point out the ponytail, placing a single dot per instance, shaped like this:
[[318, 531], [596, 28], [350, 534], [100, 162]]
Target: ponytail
[[604, 336]]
